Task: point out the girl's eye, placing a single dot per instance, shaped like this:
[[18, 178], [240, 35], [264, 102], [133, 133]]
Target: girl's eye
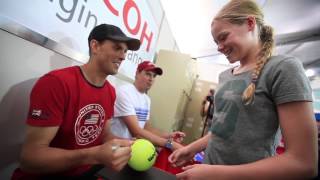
[[223, 37]]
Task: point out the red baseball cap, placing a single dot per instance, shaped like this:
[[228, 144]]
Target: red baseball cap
[[149, 66]]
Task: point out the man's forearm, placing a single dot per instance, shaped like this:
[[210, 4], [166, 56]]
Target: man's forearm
[[158, 132], [44, 160], [155, 139]]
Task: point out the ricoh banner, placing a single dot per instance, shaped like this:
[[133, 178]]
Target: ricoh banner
[[69, 22]]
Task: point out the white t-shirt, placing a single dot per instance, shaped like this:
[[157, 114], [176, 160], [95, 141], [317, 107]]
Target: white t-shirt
[[129, 101]]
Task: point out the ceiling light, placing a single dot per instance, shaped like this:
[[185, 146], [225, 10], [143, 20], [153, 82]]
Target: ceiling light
[[310, 72]]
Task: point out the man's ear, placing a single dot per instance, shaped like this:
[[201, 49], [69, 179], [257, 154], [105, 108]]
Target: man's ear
[[137, 72], [251, 22], [94, 46]]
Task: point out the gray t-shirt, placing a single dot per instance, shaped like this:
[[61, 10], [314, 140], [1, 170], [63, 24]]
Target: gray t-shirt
[[243, 134]]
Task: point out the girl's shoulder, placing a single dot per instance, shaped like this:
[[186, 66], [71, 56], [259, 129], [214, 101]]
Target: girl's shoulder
[[283, 63], [280, 60]]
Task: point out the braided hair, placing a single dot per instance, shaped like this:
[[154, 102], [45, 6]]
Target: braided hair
[[237, 12]]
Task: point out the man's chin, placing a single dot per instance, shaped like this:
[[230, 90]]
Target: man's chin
[[114, 72]]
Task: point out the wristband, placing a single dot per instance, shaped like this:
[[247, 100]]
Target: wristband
[[169, 144]]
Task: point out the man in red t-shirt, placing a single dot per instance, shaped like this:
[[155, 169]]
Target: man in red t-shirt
[[70, 108]]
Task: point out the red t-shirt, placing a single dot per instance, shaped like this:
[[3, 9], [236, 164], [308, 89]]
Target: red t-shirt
[[66, 99]]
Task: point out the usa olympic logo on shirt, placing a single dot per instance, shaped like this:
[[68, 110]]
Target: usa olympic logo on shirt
[[89, 124]]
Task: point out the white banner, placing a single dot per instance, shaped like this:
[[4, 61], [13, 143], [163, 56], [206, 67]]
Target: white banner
[[69, 22]]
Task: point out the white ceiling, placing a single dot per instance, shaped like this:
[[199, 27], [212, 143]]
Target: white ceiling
[[294, 22]]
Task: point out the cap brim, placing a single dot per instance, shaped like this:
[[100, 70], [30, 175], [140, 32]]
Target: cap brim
[[156, 70], [132, 43]]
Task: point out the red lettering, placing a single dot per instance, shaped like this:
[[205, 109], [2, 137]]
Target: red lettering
[[111, 8], [127, 7], [145, 36]]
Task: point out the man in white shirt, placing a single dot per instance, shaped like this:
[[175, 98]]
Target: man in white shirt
[[132, 110]]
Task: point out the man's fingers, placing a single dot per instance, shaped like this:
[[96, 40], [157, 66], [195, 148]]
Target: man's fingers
[[122, 142], [121, 158], [182, 134], [122, 151], [179, 134]]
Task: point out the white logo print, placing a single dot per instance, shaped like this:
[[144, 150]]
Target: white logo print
[[89, 124], [36, 112]]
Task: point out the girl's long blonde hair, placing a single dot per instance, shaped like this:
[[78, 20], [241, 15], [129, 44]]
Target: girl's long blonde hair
[[237, 12]]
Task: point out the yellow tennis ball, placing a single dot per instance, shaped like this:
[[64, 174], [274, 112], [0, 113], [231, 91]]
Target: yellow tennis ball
[[143, 155]]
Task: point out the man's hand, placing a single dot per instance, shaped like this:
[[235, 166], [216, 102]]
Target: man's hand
[[177, 136], [115, 153]]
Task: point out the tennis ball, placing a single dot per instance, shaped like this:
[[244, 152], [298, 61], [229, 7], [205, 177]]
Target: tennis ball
[[143, 155]]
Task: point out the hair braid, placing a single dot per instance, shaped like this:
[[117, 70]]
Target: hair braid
[[266, 37]]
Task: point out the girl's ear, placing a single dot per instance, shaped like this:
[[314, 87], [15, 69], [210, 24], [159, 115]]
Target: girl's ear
[[251, 22]]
